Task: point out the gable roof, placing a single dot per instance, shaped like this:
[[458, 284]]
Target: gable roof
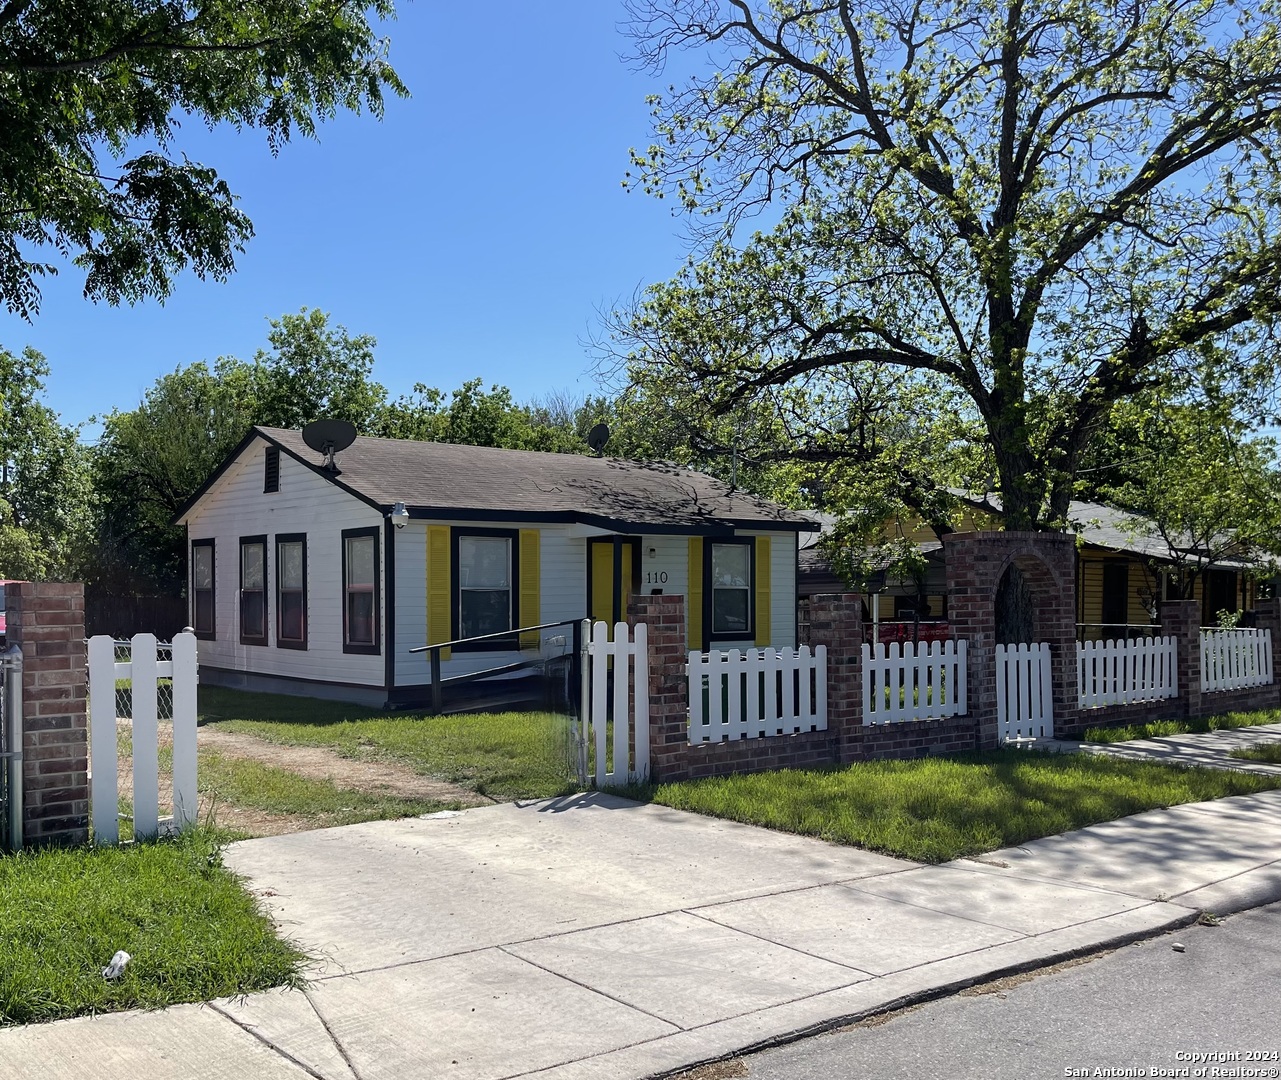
[[444, 480]]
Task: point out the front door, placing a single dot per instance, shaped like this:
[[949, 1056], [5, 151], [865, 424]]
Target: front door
[[607, 590]]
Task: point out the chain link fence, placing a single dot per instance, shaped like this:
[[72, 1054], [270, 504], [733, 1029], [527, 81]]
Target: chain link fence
[[124, 687]]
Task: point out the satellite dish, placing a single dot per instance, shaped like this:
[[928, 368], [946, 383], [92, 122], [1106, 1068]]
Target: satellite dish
[[598, 437], [328, 437]]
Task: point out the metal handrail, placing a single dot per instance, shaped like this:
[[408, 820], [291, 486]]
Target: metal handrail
[[488, 637], [438, 684]]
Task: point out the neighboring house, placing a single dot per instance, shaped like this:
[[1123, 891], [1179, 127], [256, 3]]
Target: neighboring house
[[1121, 571], [300, 582]]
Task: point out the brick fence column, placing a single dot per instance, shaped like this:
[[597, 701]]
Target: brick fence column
[[48, 621], [836, 621], [1268, 617], [1181, 620], [668, 683]]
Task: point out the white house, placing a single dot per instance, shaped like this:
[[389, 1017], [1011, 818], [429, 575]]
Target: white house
[[302, 582]]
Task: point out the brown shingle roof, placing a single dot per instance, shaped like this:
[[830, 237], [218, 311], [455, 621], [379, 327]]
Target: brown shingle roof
[[446, 480]]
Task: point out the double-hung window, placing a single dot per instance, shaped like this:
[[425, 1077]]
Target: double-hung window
[[360, 590], [485, 594], [202, 589], [253, 590], [730, 589], [291, 590]]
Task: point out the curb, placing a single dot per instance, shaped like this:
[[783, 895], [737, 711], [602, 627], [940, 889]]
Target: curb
[[946, 989]]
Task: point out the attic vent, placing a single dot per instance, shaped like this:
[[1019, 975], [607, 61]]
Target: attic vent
[[271, 470]]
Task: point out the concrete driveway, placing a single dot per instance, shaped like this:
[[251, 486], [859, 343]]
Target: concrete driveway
[[596, 937]]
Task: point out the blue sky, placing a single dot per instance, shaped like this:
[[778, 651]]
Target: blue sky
[[475, 231]]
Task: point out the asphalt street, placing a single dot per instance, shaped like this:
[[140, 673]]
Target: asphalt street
[[1148, 1009]]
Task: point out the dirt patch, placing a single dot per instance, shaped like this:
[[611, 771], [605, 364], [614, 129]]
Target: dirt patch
[[717, 1070], [317, 763]]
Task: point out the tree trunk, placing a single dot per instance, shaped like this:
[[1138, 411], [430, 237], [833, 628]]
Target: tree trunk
[[1014, 623]]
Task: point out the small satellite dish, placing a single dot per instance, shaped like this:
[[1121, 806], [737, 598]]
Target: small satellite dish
[[598, 437], [328, 437]]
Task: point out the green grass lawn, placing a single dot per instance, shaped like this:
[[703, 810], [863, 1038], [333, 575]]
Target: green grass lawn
[[1269, 752], [504, 755], [1157, 728], [191, 929], [256, 786], [935, 809]]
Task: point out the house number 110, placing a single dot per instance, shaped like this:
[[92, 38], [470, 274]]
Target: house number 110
[[656, 577]]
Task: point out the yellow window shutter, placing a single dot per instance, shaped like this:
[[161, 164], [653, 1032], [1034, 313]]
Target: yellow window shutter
[[762, 591], [439, 587], [694, 593], [530, 594]]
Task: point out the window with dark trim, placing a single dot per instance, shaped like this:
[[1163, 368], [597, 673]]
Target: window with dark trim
[[729, 591], [291, 590], [485, 576], [203, 590], [253, 590], [360, 566], [271, 470]]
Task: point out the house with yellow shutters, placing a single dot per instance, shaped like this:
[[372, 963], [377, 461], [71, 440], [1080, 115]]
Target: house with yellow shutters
[[321, 579]]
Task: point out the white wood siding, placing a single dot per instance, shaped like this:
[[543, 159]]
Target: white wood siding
[[305, 503], [671, 557], [563, 595]]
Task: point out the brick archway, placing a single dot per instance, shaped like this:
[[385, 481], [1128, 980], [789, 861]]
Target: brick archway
[[976, 563]]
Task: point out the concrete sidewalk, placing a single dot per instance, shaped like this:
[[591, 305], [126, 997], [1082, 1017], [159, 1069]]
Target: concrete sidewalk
[[595, 937], [1210, 749]]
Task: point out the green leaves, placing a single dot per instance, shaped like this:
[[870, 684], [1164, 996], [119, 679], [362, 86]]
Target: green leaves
[[1045, 207], [84, 86]]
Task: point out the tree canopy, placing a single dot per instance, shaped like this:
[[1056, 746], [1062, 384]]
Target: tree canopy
[[92, 99], [985, 223]]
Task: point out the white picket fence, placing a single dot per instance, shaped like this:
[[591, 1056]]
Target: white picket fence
[[624, 662], [144, 671], [1233, 659], [913, 681], [1024, 693], [756, 693], [1119, 672]]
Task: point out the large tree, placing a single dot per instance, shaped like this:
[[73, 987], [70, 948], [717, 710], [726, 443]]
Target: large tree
[[1029, 210], [45, 493], [92, 98]]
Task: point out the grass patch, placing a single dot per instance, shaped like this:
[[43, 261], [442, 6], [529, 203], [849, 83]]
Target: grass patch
[[192, 930], [257, 786], [1269, 752], [935, 809], [1157, 728], [505, 755]]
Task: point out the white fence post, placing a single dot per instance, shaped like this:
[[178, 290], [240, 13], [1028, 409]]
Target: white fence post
[[1024, 692], [143, 670], [913, 681], [758, 693], [185, 796], [1119, 672], [1235, 659], [631, 724], [103, 794]]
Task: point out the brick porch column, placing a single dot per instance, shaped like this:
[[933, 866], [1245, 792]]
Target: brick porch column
[[836, 621], [1181, 620], [47, 620], [668, 683]]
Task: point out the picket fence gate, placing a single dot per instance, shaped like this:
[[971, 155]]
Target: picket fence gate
[[756, 693], [143, 670], [615, 692], [908, 680], [1024, 693], [1118, 672], [1235, 659]]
